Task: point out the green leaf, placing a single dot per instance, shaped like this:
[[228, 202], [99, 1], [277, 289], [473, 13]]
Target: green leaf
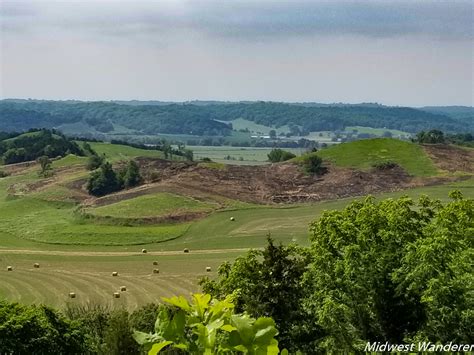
[[265, 330], [156, 348], [244, 328], [179, 302], [228, 328]]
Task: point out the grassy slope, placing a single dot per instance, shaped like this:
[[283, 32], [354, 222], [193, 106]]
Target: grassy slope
[[116, 152], [362, 154], [153, 205]]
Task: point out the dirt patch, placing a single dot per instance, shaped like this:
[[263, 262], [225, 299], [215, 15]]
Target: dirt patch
[[451, 158], [264, 184]]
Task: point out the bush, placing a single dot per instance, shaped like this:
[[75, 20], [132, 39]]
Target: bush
[[3, 174], [313, 164], [38, 330], [384, 165], [278, 155]]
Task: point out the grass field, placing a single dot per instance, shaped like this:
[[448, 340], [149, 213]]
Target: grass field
[[362, 154], [116, 152], [78, 254], [250, 156], [153, 205], [377, 131]]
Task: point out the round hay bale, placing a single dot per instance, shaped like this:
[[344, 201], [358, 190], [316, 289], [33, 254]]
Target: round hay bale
[[155, 263], [116, 295], [72, 295], [144, 251], [123, 288], [156, 271], [208, 269], [115, 273], [9, 268], [36, 265], [232, 219], [186, 250]]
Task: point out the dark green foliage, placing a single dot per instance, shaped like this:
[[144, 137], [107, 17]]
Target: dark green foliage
[[118, 339], [144, 318], [3, 174], [38, 330], [278, 155], [130, 175], [94, 161], [32, 145], [393, 271], [45, 164], [267, 283], [313, 164], [103, 181], [432, 137], [384, 165], [203, 120]]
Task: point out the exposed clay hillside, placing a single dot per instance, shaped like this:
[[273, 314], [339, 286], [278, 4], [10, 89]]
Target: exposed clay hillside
[[451, 158]]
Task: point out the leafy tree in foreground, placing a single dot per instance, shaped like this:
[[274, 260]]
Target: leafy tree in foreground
[[38, 330], [392, 271], [267, 283], [208, 326]]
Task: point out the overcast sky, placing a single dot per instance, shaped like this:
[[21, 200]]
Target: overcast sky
[[392, 52]]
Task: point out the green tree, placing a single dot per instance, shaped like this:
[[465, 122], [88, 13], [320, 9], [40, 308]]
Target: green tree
[[268, 283], [130, 176], [313, 164], [38, 330], [392, 271], [45, 166], [272, 134], [94, 161], [103, 181], [278, 155]]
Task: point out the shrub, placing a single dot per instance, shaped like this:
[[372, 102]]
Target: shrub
[[208, 326], [313, 164], [384, 165], [38, 330], [278, 155]]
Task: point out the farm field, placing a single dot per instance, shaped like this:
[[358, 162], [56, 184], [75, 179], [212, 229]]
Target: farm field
[[40, 223], [86, 269], [250, 156]]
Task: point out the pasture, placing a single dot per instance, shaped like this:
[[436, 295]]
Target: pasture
[[86, 269]]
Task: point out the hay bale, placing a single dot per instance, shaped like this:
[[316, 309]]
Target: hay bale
[[144, 251], [36, 265], [156, 271], [123, 288], [155, 263], [208, 269], [186, 250], [116, 295], [9, 268], [232, 219], [72, 295], [115, 273]]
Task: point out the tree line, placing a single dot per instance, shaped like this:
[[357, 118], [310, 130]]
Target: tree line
[[213, 119]]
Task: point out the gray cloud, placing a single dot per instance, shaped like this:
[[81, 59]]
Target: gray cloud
[[244, 20]]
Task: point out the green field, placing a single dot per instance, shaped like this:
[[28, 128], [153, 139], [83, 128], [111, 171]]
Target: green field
[[78, 254], [153, 205], [250, 156], [362, 154], [116, 152]]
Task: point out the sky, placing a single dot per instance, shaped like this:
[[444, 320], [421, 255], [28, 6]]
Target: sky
[[407, 53]]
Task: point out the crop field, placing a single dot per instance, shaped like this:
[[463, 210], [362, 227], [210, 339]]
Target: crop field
[[239, 155]]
